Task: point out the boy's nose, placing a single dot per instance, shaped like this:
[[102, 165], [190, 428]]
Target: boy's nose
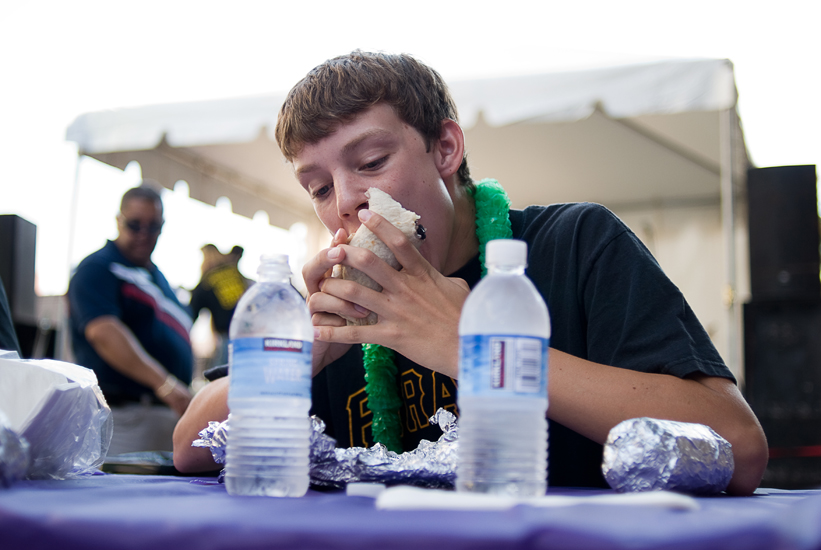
[[350, 197]]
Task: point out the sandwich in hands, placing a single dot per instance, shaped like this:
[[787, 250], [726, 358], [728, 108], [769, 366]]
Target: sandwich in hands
[[404, 220]]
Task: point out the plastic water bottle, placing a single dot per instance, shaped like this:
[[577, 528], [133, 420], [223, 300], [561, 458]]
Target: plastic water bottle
[[270, 390], [504, 335]]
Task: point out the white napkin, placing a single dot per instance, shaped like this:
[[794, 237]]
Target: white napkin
[[404, 497]]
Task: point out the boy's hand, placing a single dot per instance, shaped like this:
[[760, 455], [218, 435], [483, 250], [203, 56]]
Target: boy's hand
[[418, 307], [314, 273]]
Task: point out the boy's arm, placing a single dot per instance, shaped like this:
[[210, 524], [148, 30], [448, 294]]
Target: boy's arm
[[210, 404], [591, 399], [586, 397]]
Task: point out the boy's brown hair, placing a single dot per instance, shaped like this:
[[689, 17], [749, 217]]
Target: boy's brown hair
[[337, 90]]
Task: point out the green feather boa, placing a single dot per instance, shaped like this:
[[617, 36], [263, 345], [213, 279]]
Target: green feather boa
[[492, 222]]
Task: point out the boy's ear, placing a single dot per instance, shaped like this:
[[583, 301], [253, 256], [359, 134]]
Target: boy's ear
[[450, 148]]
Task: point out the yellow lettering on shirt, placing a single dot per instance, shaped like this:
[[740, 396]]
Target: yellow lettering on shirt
[[358, 411]]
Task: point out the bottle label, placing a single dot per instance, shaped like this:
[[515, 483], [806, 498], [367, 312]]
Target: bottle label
[[503, 365], [270, 367]]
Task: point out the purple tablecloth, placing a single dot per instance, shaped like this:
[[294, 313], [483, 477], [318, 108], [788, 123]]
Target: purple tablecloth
[[168, 513]]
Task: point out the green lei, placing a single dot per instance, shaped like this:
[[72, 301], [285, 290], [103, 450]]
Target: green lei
[[492, 222]]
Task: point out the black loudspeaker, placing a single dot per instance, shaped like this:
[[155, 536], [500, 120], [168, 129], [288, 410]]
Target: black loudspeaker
[[783, 231], [17, 242], [782, 347]]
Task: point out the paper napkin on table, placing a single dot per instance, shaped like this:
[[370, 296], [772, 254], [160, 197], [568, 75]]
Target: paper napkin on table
[[404, 497]]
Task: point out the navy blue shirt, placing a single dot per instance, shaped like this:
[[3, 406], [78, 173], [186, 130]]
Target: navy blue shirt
[[106, 283], [609, 302]]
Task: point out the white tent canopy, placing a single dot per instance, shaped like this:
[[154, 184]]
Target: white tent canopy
[[634, 137], [619, 135]]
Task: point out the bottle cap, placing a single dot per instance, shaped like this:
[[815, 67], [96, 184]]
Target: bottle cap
[[273, 263], [273, 258], [506, 252]]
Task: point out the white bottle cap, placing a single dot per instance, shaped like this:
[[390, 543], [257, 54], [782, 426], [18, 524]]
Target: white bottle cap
[[273, 263], [273, 258], [506, 252]]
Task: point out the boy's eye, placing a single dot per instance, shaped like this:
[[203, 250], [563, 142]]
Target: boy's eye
[[374, 164], [321, 192]]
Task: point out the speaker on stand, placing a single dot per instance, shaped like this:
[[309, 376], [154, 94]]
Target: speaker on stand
[[17, 242], [783, 230], [782, 322], [18, 239]]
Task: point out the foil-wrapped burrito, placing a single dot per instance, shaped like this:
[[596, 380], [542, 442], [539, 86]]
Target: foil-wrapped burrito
[[647, 454], [431, 464]]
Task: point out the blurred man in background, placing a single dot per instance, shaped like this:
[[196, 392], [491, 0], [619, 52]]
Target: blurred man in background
[[128, 326]]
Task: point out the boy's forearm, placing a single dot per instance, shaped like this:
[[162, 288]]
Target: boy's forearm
[[591, 399], [210, 404]]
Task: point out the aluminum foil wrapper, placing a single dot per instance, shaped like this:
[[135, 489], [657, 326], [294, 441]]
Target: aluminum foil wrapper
[[15, 456], [647, 454], [214, 437], [431, 464]]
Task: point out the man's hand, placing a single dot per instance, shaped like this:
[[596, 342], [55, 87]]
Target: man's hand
[[176, 396], [117, 345], [418, 307]]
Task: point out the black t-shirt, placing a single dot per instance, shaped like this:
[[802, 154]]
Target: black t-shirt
[[609, 302]]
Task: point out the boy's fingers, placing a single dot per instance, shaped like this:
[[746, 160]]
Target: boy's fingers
[[320, 267]]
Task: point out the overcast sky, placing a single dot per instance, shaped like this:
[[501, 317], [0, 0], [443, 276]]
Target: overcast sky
[[61, 59]]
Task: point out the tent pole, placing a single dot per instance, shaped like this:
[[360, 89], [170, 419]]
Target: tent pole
[[62, 348], [726, 134], [72, 221]]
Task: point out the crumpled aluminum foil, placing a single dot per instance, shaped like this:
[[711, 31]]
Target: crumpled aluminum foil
[[647, 454], [15, 456], [431, 464], [215, 437]]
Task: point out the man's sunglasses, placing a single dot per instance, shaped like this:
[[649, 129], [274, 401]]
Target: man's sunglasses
[[135, 226]]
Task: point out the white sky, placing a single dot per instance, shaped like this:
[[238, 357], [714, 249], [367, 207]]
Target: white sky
[[61, 59]]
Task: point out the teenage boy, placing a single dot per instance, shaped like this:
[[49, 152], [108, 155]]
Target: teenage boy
[[625, 344]]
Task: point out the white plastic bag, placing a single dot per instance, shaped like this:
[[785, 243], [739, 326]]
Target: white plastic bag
[[14, 454], [59, 409]]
